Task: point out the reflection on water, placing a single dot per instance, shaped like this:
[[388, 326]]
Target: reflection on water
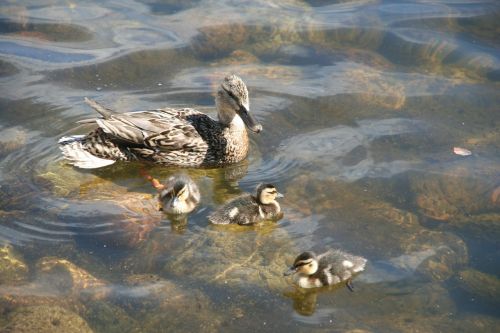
[[361, 102]]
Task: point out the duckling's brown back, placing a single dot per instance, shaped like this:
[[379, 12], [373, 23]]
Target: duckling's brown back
[[343, 265], [242, 210]]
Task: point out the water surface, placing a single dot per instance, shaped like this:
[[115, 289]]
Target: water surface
[[361, 102]]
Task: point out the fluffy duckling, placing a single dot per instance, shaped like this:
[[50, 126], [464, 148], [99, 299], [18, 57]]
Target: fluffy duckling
[[179, 195], [248, 209], [329, 268]]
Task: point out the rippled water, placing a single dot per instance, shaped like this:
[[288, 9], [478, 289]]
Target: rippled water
[[362, 103]]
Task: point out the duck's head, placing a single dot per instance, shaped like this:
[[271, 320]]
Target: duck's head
[[180, 197], [232, 100], [267, 194], [306, 264]]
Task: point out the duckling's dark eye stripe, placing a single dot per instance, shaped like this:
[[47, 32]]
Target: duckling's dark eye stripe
[[302, 263]]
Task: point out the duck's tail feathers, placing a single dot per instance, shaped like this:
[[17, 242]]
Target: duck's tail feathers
[[103, 111], [75, 153]]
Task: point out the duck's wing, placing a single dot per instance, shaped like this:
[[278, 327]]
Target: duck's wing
[[240, 210], [162, 129], [248, 211], [341, 262]]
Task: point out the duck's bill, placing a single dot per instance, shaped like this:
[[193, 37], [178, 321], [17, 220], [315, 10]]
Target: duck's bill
[[290, 271], [249, 120], [279, 195]]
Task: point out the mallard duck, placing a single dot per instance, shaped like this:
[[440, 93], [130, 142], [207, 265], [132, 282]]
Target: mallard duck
[[248, 209], [326, 269], [172, 137], [178, 195]]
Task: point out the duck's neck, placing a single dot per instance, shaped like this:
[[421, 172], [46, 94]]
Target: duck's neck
[[274, 204], [237, 125], [236, 140], [271, 210]]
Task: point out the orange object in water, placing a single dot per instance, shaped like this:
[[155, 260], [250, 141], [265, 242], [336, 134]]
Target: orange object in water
[[155, 182]]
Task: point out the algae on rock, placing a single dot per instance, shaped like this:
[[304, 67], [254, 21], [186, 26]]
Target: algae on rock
[[45, 319], [13, 269]]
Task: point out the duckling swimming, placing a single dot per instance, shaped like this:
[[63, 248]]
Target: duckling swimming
[[179, 195], [172, 137], [326, 269], [248, 209]]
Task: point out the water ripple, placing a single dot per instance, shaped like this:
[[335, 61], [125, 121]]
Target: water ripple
[[11, 48], [323, 151]]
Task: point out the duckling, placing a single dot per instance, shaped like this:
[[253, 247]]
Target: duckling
[[179, 195], [171, 137], [248, 209], [326, 269]]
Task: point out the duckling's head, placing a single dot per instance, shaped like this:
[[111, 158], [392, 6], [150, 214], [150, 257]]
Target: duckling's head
[[179, 198], [267, 194], [305, 264], [232, 100]]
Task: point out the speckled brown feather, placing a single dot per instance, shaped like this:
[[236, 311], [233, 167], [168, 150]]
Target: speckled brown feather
[[172, 137], [183, 137]]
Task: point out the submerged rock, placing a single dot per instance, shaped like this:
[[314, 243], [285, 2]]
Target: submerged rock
[[220, 40], [13, 269], [377, 88], [216, 41], [159, 302], [447, 253], [358, 216], [67, 278], [106, 317], [456, 191], [348, 34], [126, 216], [235, 256], [479, 285], [44, 319], [11, 139], [238, 58], [62, 180]]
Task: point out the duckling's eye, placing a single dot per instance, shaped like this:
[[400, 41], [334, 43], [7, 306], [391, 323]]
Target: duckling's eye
[[310, 265]]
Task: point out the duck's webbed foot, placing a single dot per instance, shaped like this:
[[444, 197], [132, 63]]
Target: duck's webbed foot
[[349, 285]]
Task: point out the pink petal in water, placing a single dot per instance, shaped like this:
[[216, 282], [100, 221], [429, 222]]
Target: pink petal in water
[[461, 151]]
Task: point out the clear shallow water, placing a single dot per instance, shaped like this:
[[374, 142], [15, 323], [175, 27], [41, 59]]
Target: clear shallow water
[[361, 103]]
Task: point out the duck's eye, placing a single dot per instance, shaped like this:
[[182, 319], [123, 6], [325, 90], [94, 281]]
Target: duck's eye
[[310, 265], [230, 93]]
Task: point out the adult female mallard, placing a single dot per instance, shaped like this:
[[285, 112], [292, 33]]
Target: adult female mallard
[[171, 137]]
